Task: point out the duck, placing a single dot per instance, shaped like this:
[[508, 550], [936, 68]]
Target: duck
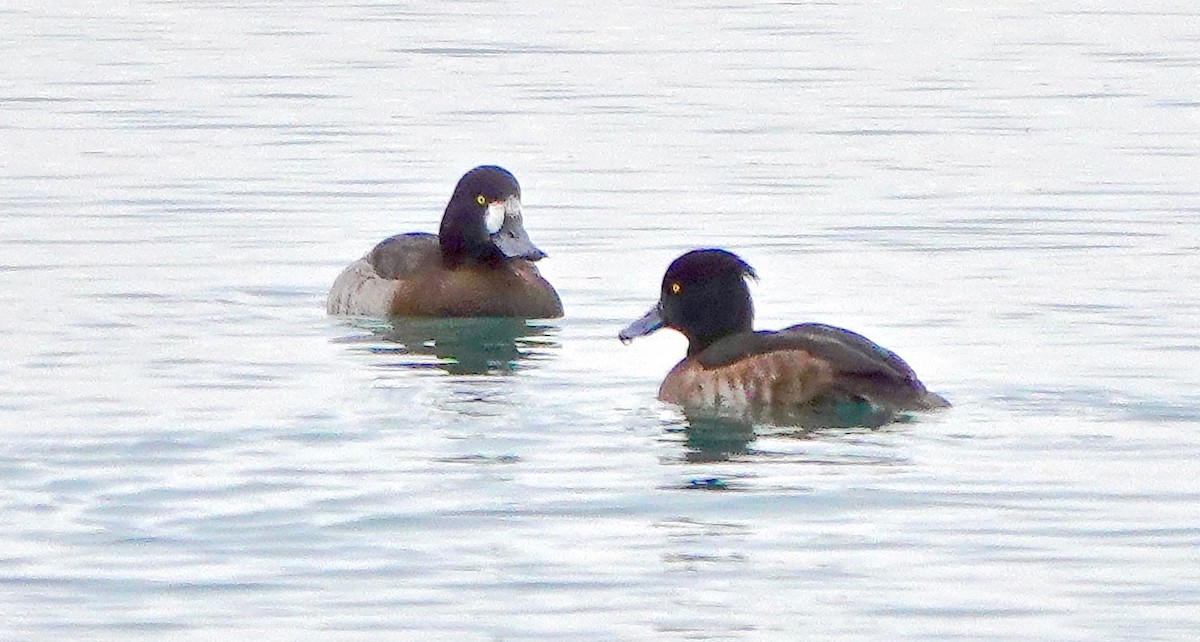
[[479, 264], [806, 374]]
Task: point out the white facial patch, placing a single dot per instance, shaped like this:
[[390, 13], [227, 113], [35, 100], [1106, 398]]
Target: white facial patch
[[494, 218]]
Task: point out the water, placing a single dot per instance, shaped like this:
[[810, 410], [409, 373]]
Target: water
[[1004, 195]]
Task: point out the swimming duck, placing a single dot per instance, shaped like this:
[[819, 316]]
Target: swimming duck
[[479, 264], [806, 374]]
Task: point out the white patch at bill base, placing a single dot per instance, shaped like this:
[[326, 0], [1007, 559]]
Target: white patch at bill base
[[495, 218]]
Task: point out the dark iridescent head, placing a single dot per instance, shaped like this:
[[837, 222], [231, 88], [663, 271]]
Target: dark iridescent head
[[483, 222], [704, 296]]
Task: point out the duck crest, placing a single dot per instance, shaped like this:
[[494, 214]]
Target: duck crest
[[705, 297]]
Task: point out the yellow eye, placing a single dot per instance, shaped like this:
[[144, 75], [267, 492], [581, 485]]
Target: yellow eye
[[676, 288], [480, 199]]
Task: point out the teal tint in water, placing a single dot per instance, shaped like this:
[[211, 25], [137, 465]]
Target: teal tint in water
[[1004, 194], [455, 346]]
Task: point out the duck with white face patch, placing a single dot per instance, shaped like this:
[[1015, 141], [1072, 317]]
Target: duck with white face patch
[[483, 222], [479, 264]]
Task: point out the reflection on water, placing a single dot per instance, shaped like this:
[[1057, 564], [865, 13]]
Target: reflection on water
[[707, 439], [817, 414], [457, 346], [710, 437]]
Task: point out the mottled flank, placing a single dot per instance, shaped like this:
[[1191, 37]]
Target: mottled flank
[[790, 387], [783, 378]]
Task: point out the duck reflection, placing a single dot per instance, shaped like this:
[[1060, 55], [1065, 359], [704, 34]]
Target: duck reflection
[[712, 437], [460, 346]]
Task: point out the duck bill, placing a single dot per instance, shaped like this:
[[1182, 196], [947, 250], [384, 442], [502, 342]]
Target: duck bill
[[511, 239], [650, 322]]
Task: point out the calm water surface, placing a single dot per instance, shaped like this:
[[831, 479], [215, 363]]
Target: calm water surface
[[1005, 195]]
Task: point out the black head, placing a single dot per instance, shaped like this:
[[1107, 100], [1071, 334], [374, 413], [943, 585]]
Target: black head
[[482, 221], [704, 296]]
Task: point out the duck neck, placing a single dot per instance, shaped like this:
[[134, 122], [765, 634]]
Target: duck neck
[[733, 314], [464, 241]]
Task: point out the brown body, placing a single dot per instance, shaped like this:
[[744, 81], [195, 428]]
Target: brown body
[[514, 288], [790, 387], [782, 378]]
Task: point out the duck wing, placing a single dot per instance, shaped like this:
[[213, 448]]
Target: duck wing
[[397, 256], [861, 367]]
